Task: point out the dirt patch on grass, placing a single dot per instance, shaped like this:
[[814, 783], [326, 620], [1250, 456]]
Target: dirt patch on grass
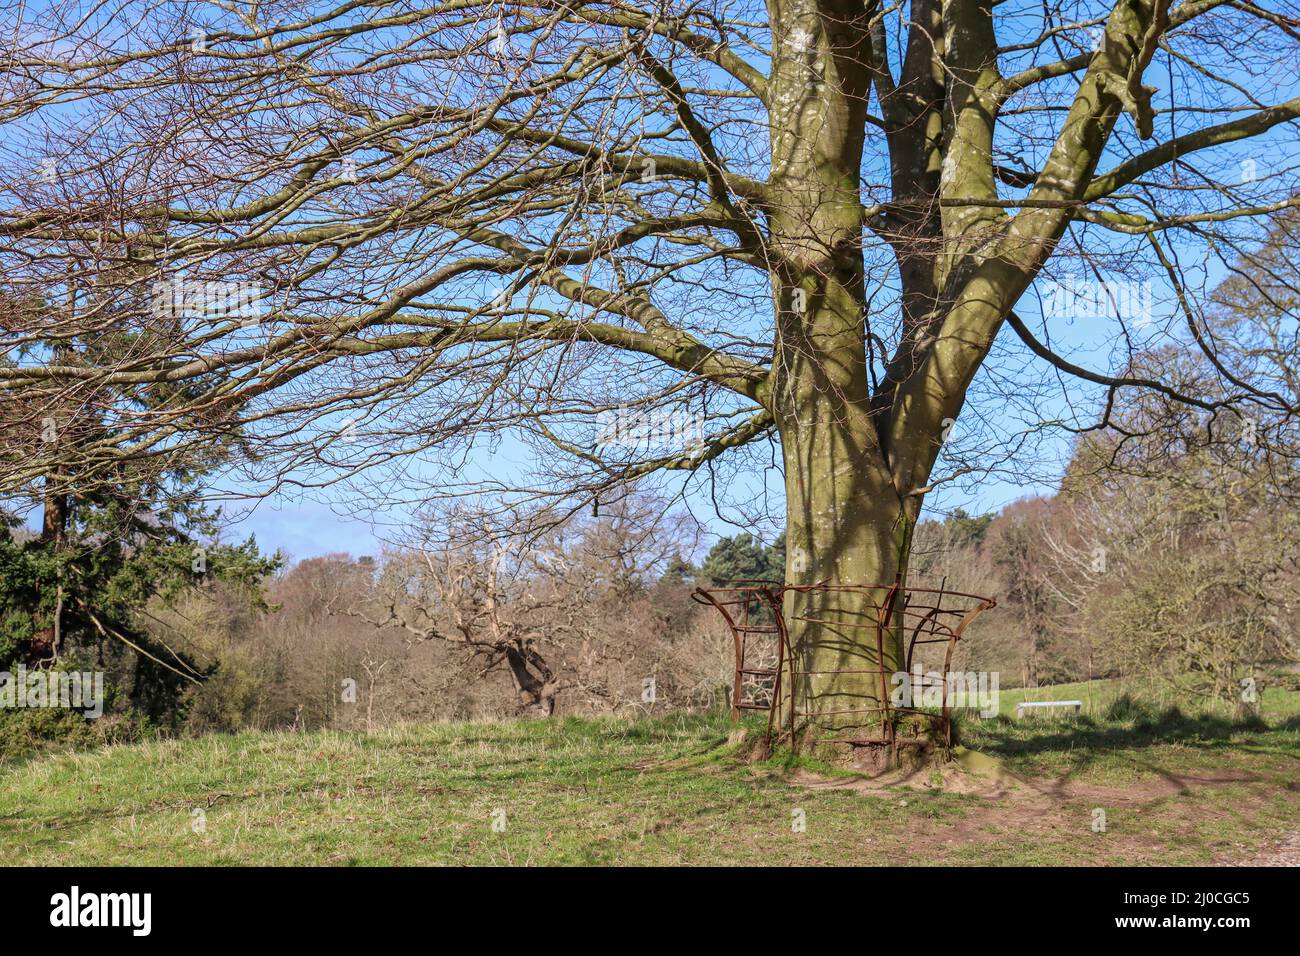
[[1082, 822], [1286, 853], [947, 779], [1162, 785]]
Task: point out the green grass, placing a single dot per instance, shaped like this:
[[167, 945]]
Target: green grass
[[1276, 703], [665, 791], [1126, 731]]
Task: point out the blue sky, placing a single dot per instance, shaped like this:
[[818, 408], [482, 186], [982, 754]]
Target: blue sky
[[306, 524], [304, 528]]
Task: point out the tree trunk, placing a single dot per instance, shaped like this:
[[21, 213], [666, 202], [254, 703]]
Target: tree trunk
[[845, 525], [536, 692], [46, 639]]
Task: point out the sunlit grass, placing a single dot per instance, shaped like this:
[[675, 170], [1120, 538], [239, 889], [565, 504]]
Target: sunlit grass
[[664, 791]]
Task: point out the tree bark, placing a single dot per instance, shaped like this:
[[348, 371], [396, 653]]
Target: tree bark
[[536, 692], [846, 524], [46, 638]]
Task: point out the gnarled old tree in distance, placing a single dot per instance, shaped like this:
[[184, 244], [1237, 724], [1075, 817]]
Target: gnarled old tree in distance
[[359, 232]]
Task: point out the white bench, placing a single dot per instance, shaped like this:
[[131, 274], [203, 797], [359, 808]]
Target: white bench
[[1030, 706]]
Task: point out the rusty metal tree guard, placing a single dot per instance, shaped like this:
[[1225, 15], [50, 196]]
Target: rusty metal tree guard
[[755, 610]]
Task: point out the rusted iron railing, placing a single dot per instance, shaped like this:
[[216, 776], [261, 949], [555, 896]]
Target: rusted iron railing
[[757, 610]]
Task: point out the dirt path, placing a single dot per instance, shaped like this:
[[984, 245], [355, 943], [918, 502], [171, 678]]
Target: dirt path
[[1139, 818], [1286, 853]]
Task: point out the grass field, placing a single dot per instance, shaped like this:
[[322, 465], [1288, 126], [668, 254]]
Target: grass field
[[1173, 789], [1098, 696]]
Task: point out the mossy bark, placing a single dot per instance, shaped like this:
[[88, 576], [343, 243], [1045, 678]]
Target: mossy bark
[[845, 526], [846, 523]]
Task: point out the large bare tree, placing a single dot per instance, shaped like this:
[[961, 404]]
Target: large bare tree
[[380, 230]]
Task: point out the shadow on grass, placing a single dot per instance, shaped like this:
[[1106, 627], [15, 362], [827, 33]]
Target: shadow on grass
[[1127, 728], [1125, 739]]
